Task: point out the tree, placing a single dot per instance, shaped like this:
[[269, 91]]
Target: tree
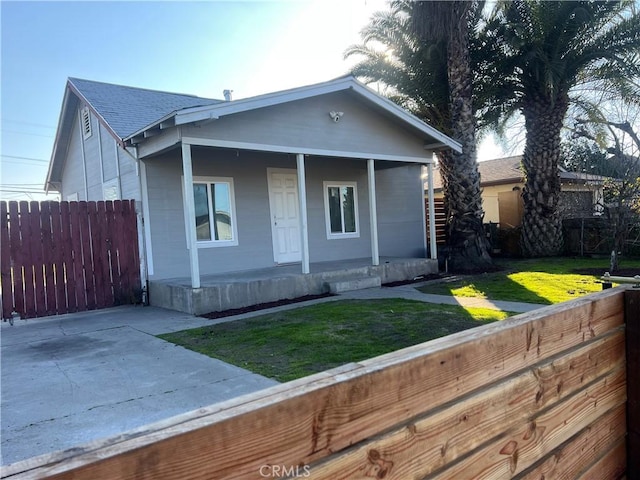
[[449, 23], [538, 53], [618, 141], [431, 76]]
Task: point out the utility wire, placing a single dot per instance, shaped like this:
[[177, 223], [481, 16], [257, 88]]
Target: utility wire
[[26, 133], [41, 125], [31, 159]]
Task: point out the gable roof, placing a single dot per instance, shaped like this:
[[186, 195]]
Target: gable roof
[[507, 170], [492, 172], [126, 110], [132, 114]]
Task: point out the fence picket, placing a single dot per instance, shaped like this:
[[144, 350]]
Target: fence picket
[[97, 245], [78, 269], [57, 252], [88, 212], [24, 226], [17, 257], [48, 258], [5, 262], [113, 251], [37, 258], [67, 273]]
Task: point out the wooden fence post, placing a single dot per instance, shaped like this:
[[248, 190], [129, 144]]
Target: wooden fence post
[[632, 320]]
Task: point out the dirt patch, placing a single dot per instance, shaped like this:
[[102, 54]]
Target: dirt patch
[[263, 306]]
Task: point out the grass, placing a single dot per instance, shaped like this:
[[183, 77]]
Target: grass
[[544, 281], [296, 343]]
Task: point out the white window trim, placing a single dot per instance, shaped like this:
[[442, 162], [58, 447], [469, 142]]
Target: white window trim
[[110, 184], [327, 217], [234, 218], [85, 120]]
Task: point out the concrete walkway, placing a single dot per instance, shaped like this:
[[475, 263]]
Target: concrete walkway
[[70, 379], [410, 292], [75, 378]]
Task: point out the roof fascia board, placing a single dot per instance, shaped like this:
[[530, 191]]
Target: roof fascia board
[[163, 123], [57, 142], [158, 143], [213, 112], [207, 142]]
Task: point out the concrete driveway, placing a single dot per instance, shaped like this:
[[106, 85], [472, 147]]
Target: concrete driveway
[[74, 378]]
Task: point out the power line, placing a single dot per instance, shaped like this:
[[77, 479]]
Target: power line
[[25, 158], [26, 133], [21, 191], [41, 125]]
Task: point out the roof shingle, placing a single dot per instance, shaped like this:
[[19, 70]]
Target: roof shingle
[[127, 109]]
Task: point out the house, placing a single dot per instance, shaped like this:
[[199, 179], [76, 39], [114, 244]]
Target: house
[[502, 181], [253, 200]]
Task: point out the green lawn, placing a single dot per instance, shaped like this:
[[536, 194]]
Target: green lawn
[[544, 281], [299, 342]]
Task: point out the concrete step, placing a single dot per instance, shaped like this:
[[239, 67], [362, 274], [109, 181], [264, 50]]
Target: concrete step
[[354, 283]]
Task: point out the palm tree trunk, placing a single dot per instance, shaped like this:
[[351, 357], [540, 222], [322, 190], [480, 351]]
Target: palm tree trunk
[[542, 224], [467, 241]]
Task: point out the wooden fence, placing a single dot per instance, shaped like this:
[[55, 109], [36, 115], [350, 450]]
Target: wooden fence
[[60, 257], [539, 396], [441, 220]]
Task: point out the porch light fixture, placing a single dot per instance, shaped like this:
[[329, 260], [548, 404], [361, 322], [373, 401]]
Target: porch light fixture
[[336, 116]]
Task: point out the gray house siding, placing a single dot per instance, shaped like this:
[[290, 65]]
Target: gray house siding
[[306, 124], [93, 161], [397, 217], [73, 181], [102, 159], [400, 204]]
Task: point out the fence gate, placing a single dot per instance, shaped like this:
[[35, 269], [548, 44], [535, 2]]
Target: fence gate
[[61, 257]]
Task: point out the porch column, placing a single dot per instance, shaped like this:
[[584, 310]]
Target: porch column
[[373, 212], [190, 215], [433, 247], [302, 196]]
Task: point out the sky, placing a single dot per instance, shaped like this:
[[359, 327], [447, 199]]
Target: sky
[[199, 48]]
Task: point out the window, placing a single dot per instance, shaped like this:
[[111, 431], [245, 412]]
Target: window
[[341, 209], [86, 122], [215, 211]]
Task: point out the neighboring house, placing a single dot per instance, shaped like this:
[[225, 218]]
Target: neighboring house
[[502, 181], [327, 172]]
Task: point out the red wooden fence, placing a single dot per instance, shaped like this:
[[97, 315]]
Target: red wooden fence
[[60, 257]]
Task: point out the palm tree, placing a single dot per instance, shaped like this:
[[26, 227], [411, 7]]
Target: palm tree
[[420, 75], [538, 52]]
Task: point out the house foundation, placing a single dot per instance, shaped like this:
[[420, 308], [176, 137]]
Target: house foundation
[[252, 287]]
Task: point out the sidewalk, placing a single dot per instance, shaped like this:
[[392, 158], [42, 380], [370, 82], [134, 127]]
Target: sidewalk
[[410, 292]]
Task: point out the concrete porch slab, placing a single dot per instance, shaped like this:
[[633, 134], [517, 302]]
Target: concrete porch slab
[[252, 287]]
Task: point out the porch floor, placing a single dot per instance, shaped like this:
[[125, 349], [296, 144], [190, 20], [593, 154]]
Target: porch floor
[[224, 291]]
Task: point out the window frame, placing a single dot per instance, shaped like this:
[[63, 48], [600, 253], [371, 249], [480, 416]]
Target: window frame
[[327, 214], [232, 206]]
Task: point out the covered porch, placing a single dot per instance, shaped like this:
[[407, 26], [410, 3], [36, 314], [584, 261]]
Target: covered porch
[[225, 291]]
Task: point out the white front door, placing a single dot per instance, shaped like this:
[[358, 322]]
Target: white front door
[[285, 217]]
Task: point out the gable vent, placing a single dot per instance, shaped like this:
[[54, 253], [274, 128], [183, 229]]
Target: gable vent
[[86, 122]]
